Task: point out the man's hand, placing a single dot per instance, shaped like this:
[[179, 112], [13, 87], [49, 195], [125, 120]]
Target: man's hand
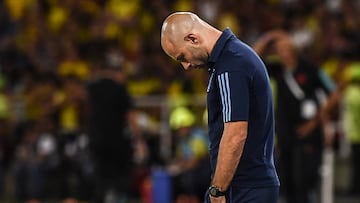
[[220, 199], [268, 39], [306, 128]]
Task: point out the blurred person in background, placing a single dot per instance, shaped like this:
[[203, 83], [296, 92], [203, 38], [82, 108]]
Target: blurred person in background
[[113, 132], [351, 104], [190, 166], [240, 108], [301, 90], [347, 100], [26, 170], [72, 108], [36, 142], [36, 162]]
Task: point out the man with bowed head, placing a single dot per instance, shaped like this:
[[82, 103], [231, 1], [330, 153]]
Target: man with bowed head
[[240, 108]]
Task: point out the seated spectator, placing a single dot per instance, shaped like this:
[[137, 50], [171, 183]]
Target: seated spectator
[[190, 168]]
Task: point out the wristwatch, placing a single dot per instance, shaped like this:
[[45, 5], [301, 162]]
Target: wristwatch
[[214, 191]]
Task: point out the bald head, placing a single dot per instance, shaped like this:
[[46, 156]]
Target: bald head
[[186, 29], [179, 24]]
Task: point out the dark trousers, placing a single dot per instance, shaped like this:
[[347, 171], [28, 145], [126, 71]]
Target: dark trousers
[[111, 179], [250, 195], [299, 172]]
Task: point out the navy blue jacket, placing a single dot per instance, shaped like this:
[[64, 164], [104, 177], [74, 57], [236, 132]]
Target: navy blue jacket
[[239, 90]]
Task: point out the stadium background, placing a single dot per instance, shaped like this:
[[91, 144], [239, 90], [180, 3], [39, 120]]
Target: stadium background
[[50, 49]]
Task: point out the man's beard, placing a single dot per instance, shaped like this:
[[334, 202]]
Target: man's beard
[[199, 66], [203, 64]]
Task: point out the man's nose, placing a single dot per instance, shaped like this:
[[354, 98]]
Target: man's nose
[[186, 65]]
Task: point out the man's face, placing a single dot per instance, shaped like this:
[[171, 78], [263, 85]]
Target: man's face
[[285, 49], [193, 57], [189, 55]]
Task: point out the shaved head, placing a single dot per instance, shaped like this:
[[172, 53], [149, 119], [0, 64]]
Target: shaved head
[[178, 24], [185, 30]]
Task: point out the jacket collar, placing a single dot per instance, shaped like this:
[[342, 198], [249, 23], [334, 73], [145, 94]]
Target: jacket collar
[[219, 45]]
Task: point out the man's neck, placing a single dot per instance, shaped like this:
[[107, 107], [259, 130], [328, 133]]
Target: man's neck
[[212, 37]]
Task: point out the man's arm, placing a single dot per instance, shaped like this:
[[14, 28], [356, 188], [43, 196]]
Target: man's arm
[[263, 42], [230, 151]]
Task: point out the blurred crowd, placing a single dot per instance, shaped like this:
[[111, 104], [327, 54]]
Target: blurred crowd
[[51, 50]]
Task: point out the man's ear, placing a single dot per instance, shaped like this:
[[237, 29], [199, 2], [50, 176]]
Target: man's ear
[[194, 39]]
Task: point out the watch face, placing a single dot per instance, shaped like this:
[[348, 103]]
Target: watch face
[[213, 191]]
